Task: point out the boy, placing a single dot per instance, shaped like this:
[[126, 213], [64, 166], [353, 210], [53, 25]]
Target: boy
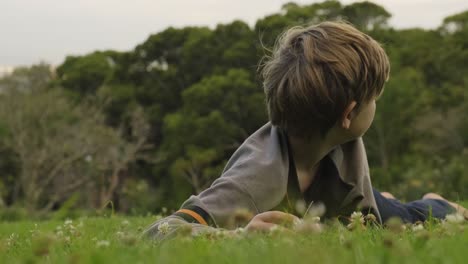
[[321, 84]]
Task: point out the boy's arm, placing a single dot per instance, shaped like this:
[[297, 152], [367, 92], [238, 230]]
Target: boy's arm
[[254, 181], [172, 226], [215, 207]]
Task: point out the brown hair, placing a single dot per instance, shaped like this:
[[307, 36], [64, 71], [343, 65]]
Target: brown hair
[[316, 71]]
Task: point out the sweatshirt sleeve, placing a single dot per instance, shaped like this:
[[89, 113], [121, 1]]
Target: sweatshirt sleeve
[[253, 181], [216, 207]]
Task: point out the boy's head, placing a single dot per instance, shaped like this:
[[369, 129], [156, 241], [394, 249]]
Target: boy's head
[[319, 74]]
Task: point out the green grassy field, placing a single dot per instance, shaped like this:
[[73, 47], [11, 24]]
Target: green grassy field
[[117, 240]]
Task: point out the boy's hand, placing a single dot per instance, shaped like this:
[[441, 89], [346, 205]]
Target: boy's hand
[[271, 219]]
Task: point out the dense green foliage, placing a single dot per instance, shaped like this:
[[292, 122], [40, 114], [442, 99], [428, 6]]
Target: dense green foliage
[[197, 96], [117, 240]]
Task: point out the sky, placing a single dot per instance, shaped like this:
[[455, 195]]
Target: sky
[[48, 30]]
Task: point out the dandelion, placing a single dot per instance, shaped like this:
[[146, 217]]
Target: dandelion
[[164, 228], [102, 244]]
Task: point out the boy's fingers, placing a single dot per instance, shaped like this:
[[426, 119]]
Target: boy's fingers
[[261, 226], [278, 217]]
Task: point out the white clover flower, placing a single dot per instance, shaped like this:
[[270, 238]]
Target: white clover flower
[[219, 234], [454, 218], [417, 228], [301, 207], [274, 228], [315, 219], [88, 158], [68, 222], [239, 230], [164, 228], [342, 239], [12, 239], [357, 217], [297, 222], [102, 243]]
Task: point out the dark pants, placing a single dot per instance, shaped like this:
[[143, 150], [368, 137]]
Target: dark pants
[[411, 212]]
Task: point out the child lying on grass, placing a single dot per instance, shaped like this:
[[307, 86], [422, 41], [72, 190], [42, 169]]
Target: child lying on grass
[[321, 85]]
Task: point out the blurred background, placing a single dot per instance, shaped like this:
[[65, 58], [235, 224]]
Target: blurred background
[[135, 105]]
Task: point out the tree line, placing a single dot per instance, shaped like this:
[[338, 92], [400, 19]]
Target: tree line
[[146, 128]]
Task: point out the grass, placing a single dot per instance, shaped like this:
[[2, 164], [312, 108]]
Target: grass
[[117, 240]]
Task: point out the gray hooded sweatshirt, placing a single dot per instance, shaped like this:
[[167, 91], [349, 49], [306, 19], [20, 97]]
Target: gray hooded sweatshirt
[[256, 178]]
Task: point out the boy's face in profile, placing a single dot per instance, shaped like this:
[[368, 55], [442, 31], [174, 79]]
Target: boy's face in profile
[[360, 121], [363, 119]]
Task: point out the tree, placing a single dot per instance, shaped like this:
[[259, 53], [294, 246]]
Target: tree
[[366, 15], [63, 147], [27, 79], [85, 74], [391, 135], [218, 113], [270, 27]]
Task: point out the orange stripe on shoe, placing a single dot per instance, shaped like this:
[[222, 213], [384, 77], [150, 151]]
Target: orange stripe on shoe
[[194, 215]]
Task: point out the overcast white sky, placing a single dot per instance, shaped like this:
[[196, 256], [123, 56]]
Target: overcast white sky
[[34, 30]]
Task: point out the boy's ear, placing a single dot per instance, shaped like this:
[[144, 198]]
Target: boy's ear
[[348, 115]]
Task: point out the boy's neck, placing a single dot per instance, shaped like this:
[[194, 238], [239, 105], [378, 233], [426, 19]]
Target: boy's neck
[[307, 153]]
